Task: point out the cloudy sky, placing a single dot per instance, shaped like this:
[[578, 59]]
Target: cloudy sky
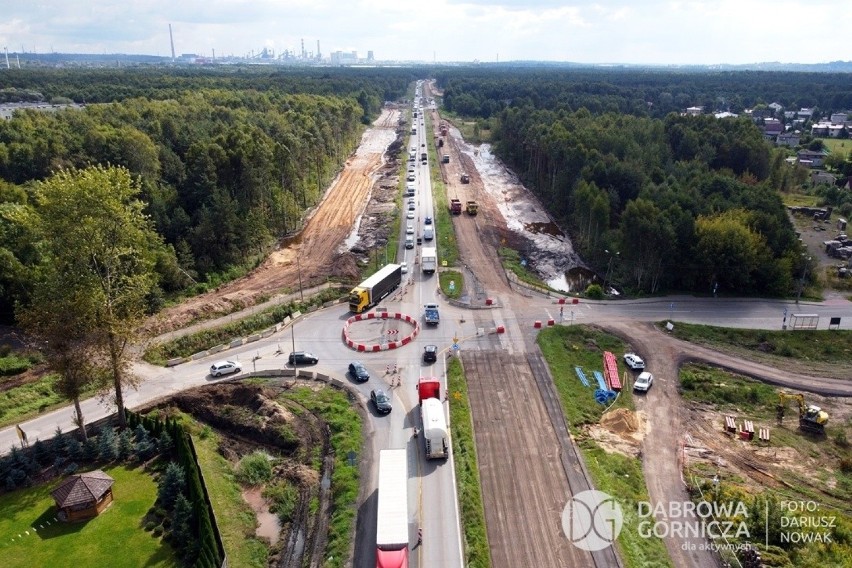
[[602, 31]]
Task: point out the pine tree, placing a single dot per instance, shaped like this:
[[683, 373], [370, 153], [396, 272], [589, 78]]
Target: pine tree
[[171, 485], [182, 536], [165, 443], [106, 444], [125, 444]]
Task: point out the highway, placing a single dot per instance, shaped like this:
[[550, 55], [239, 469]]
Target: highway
[[433, 504]]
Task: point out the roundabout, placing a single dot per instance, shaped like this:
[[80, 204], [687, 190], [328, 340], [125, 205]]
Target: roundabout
[[381, 331]]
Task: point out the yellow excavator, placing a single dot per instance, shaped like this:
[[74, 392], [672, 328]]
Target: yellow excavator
[[811, 417]]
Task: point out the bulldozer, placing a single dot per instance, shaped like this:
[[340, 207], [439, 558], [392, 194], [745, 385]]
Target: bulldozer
[[812, 418]]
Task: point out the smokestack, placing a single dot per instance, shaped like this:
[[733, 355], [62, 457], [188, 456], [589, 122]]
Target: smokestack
[[319, 54], [7, 57], [172, 40], [303, 48]]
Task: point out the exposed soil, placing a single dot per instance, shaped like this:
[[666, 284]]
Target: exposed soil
[[248, 418], [320, 247], [621, 431]]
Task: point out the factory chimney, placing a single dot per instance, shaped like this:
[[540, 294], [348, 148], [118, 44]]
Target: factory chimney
[[172, 40], [319, 53]]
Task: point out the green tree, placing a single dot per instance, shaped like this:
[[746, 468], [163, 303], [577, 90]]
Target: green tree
[[93, 226], [730, 249], [172, 484]]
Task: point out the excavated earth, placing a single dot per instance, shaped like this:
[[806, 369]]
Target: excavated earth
[[249, 418]]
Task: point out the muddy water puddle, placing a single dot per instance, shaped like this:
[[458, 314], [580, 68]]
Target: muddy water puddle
[[268, 526]]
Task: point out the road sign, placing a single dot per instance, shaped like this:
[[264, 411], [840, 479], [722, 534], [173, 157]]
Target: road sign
[[455, 346]]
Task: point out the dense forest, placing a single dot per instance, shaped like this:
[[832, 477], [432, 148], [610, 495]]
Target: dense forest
[[483, 93], [686, 202], [226, 162]]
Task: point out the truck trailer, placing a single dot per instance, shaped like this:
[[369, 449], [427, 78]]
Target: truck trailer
[[372, 290], [429, 259], [436, 436], [392, 511]]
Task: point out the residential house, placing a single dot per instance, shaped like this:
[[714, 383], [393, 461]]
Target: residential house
[[790, 139], [694, 111], [805, 113], [776, 107], [822, 176], [839, 117], [725, 114], [811, 158]]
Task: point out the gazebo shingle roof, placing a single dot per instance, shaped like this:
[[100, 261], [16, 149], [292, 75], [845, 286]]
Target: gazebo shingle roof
[[82, 488]]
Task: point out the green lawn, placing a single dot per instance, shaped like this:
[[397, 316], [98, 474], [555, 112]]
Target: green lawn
[[234, 516], [114, 539], [616, 474]]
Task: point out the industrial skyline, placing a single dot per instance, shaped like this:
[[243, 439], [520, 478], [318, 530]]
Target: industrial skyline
[[699, 32]]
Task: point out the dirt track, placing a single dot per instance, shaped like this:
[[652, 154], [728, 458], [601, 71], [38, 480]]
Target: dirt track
[[317, 247]]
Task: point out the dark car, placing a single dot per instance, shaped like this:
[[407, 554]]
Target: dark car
[[381, 401], [430, 353], [359, 372], [302, 358], [428, 220]]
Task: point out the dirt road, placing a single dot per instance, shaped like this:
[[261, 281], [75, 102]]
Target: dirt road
[[318, 247]]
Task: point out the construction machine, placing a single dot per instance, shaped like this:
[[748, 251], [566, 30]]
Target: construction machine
[[811, 417]]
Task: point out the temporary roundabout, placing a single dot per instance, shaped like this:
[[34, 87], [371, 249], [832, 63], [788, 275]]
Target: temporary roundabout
[[376, 331]]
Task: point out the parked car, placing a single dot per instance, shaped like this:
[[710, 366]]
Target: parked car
[[411, 177], [404, 266], [359, 372], [430, 353], [428, 220], [643, 381], [410, 214], [634, 361], [220, 368], [381, 401], [409, 242], [302, 358], [409, 230]]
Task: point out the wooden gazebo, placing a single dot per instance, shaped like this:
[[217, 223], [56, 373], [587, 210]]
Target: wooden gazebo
[[84, 495]]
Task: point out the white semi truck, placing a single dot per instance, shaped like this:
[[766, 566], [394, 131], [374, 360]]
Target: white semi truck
[[429, 259], [392, 525]]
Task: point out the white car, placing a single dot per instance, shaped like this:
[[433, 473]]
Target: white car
[[409, 230], [634, 361], [404, 267], [643, 381], [220, 368], [410, 214]]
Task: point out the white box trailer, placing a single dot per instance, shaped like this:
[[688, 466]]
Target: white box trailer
[[392, 510], [429, 259], [435, 434]]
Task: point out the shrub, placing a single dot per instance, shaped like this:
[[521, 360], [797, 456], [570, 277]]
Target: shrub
[[254, 469], [595, 292], [70, 469]]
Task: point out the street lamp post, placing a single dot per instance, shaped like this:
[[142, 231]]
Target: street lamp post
[[608, 268], [802, 281], [299, 267]]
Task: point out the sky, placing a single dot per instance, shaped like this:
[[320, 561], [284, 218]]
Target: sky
[[651, 32]]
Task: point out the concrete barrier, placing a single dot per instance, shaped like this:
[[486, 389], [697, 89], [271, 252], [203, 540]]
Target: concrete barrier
[[267, 333], [296, 314], [253, 338], [551, 322], [286, 321], [313, 309], [199, 355], [173, 362], [237, 342], [322, 377], [216, 349], [537, 324]]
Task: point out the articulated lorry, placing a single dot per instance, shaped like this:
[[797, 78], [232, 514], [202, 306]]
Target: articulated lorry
[[429, 259], [372, 290], [392, 523], [435, 434]]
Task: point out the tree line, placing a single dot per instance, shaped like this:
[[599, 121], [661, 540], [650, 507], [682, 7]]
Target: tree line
[[679, 202], [486, 91]]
